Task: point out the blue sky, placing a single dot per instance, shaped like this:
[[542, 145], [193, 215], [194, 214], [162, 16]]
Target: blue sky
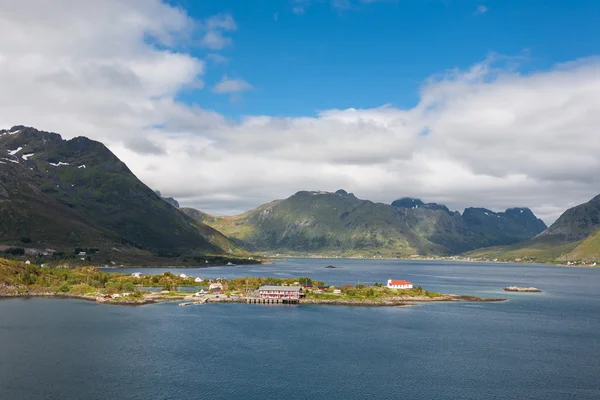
[[378, 52]]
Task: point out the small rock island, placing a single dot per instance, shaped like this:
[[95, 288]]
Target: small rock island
[[522, 289]]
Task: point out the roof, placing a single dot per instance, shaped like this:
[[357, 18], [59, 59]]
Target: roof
[[282, 288], [396, 282]]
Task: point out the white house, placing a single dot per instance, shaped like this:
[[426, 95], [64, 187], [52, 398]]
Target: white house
[[216, 285], [137, 274], [198, 280], [337, 291], [184, 276], [399, 284]]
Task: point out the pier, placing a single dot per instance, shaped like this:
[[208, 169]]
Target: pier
[[258, 300]]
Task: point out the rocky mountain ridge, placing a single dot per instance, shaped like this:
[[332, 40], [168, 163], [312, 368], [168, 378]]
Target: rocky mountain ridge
[[339, 223]]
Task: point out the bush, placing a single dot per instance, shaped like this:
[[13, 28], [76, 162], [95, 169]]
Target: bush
[[15, 251], [81, 289], [64, 288]]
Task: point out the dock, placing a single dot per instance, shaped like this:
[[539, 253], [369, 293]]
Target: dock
[[258, 300]]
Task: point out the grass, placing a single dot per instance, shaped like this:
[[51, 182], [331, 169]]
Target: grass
[[21, 278]]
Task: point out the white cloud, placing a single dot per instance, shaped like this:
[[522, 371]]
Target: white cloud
[[298, 10], [222, 21], [217, 58], [229, 86], [488, 136], [341, 4], [481, 9], [215, 27]]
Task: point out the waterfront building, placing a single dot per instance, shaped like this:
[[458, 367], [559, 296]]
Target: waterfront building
[[399, 284], [280, 292]]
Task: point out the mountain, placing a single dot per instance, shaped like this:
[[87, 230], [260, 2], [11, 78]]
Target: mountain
[[169, 200], [341, 224], [574, 236], [67, 194]]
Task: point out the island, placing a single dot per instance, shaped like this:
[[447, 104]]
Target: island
[[19, 279], [522, 289]]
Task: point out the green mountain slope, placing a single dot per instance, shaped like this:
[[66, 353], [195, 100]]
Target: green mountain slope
[[341, 224], [64, 194], [586, 250], [575, 236]]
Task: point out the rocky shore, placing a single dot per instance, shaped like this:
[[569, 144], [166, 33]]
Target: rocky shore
[[522, 289], [157, 297], [398, 300], [98, 299]]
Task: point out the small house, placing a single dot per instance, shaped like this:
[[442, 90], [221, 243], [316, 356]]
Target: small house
[[198, 280], [337, 291], [137, 274], [399, 284], [215, 285], [184, 276], [82, 253]]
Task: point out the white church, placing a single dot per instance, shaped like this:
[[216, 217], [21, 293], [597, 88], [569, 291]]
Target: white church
[[399, 284]]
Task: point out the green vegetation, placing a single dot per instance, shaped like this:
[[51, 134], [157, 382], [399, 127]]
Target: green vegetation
[[339, 224], [18, 278], [370, 293], [91, 200], [574, 237]]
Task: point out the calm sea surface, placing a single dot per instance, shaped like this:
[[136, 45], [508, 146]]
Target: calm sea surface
[[534, 346]]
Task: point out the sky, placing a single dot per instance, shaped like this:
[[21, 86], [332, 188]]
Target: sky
[[229, 104]]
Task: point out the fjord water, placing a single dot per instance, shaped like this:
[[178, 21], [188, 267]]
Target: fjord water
[[534, 346]]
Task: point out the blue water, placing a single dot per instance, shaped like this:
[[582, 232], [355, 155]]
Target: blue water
[[534, 346]]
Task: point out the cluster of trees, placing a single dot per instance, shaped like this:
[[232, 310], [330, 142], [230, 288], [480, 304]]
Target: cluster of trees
[[359, 291], [14, 251]]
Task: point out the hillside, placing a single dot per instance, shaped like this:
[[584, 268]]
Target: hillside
[[575, 236], [66, 194], [341, 224]]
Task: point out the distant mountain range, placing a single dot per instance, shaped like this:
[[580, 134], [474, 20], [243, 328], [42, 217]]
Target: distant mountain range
[[575, 236], [341, 224], [68, 194]]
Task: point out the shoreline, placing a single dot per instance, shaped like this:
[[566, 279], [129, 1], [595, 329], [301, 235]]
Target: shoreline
[[270, 260], [156, 298]]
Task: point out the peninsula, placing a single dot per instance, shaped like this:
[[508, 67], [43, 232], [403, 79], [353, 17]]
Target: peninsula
[[88, 283]]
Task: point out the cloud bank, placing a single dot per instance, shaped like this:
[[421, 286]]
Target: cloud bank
[[487, 136]]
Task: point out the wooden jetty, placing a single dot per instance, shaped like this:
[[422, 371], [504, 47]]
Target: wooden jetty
[[259, 300]]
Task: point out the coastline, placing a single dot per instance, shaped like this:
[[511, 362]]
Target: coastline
[[154, 298], [461, 260]]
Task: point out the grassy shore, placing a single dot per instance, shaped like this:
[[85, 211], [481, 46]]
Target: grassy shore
[[18, 279]]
